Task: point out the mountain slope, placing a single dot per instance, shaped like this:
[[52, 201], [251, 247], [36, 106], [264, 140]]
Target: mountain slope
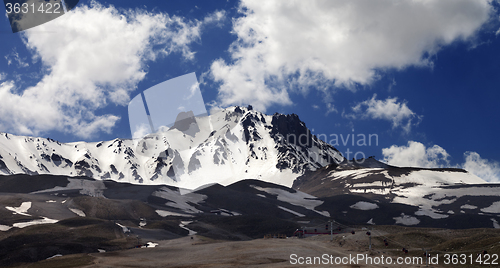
[[45, 215], [227, 146], [434, 195], [47, 199]]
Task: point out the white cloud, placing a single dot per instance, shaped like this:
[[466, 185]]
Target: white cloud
[[92, 57], [330, 108], [483, 168], [390, 109], [14, 57], [418, 155], [216, 17], [292, 45], [141, 131]]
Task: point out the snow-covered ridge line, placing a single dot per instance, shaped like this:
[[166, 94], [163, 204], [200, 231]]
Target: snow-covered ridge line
[[433, 193], [232, 144]]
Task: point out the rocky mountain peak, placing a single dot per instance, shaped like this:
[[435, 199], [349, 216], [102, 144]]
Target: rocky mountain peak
[[229, 145]]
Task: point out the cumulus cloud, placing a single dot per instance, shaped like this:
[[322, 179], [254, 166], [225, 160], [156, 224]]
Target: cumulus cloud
[[284, 45], [216, 17], [415, 154], [389, 109], [141, 131], [483, 168], [92, 57]]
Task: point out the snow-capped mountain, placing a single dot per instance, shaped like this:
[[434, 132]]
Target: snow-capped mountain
[[227, 146], [420, 195], [238, 144]]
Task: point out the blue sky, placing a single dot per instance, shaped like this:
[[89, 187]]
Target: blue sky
[[420, 75]]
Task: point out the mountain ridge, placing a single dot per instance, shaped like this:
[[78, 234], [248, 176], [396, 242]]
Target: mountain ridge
[[231, 144], [434, 194]]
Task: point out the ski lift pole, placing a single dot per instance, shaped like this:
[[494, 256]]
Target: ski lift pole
[[331, 230], [426, 255], [369, 238]]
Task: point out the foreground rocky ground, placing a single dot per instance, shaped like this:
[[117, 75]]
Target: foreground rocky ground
[[200, 251]]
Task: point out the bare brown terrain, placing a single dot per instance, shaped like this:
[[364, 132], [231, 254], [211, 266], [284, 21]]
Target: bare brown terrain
[[200, 251]]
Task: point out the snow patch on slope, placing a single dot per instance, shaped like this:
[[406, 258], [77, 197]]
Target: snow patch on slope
[[34, 222], [4, 228], [362, 205], [78, 212], [183, 226], [406, 220], [150, 245], [164, 213], [467, 206], [291, 211], [21, 210], [298, 198], [125, 229], [495, 223], [494, 208], [179, 201], [433, 213]]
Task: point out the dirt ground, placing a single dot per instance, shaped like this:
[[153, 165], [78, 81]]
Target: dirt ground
[[204, 252], [201, 252]]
